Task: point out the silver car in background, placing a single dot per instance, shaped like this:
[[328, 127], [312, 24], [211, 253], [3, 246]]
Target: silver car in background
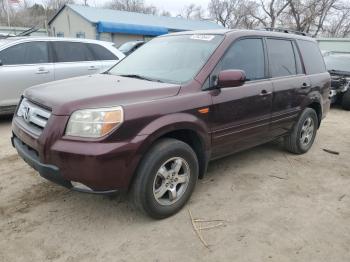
[[29, 61]]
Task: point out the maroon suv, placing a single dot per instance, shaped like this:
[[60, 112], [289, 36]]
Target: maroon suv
[[151, 124]]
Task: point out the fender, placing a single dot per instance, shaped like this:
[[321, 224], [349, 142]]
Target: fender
[[169, 123], [312, 98]]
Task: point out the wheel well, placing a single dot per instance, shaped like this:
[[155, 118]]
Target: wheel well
[[317, 107], [195, 142]]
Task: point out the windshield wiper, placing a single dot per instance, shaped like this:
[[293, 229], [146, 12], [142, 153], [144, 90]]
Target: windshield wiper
[[142, 77]]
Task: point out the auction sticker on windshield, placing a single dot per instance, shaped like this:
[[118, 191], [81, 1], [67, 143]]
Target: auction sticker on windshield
[[203, 37]]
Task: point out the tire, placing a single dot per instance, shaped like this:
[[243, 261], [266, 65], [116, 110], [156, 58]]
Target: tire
[[157, 177], [346, 100], [303, 134]]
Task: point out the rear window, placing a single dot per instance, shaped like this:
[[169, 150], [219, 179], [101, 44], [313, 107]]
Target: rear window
[[312, 57], [72, 52]]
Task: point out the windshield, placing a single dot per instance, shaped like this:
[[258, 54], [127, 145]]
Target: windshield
[[338, 62], [172, 59]]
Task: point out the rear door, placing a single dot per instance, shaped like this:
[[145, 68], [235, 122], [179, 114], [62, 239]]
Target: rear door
[[74, 59], [23, 65], [102, 54], [290, 83], [240, 116]]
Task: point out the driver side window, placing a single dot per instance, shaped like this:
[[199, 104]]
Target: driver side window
[[248, 55]]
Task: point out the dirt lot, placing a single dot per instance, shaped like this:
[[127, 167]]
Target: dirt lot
[[275, 206]]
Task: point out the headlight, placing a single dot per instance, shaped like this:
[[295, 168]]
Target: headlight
[[94, 123]]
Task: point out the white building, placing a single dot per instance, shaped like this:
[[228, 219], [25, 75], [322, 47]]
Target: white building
[[118, 26]]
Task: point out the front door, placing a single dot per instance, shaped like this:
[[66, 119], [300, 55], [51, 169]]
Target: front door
[[240, 116], [23, 65]]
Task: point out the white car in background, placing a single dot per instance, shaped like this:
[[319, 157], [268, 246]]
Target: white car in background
[[29, 61]]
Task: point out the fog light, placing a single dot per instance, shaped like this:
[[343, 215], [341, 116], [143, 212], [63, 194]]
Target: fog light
[[80, 186]]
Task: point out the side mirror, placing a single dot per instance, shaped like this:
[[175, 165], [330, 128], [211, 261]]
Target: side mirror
[[231, 78], [1, 63]]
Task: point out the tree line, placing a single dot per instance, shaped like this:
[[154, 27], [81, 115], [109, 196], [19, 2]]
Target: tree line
[[328, 18]]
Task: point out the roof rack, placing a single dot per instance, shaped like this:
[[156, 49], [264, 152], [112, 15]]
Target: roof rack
[[286, 30]]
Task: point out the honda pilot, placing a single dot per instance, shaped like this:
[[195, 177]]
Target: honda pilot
[[151, 124]]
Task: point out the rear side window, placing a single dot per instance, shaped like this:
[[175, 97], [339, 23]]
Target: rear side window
[[102, 53], [281, 57], [297, 59], [72, 52], [247, 55], [312, 57], [26, 53]]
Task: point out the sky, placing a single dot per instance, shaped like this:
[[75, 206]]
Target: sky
[[175, 6]]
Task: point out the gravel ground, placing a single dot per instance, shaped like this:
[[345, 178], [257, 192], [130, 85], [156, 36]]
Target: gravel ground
[[275, 206]]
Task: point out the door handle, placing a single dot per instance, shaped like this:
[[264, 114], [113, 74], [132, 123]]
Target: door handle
[[92, 68], [42, 70], [265, 93], [305, 85]]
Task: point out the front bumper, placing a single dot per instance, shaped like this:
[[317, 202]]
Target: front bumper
[[49, 172]]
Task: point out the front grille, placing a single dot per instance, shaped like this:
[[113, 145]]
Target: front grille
[[33, 116]]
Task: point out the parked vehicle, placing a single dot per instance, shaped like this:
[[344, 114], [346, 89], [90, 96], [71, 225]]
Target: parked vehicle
[[160, 115], [29, 61], [338, 65], [129, 47]]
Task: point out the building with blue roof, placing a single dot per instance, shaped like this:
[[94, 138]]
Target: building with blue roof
[[118, 26]]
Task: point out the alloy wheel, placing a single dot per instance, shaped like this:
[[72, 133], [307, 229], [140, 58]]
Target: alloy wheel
[[307, 131], [171, 181]]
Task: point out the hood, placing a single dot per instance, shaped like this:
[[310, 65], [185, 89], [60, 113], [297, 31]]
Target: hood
[[103, 90]]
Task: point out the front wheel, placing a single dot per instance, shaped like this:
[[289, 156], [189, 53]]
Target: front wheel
[[303, 134], [165, 178]]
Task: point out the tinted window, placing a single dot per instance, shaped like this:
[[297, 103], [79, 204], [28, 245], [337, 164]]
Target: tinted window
[[247, 55], [72, 52], [297, 59], [312, 57], [102, 53], [281, 57], [26, 53]]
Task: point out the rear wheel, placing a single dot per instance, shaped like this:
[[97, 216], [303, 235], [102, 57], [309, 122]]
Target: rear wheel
[[346, 100], [303, 134], [165, 178]]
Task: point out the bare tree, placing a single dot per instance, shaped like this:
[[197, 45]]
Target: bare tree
[[132, 6], [273, 9], [251, 15], [338, 25], [55, 5], [164, 13], [235, 13], [226, 12], [193, 11], [310, 15]]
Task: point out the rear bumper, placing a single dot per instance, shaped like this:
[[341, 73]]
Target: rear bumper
[[49, 172]]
